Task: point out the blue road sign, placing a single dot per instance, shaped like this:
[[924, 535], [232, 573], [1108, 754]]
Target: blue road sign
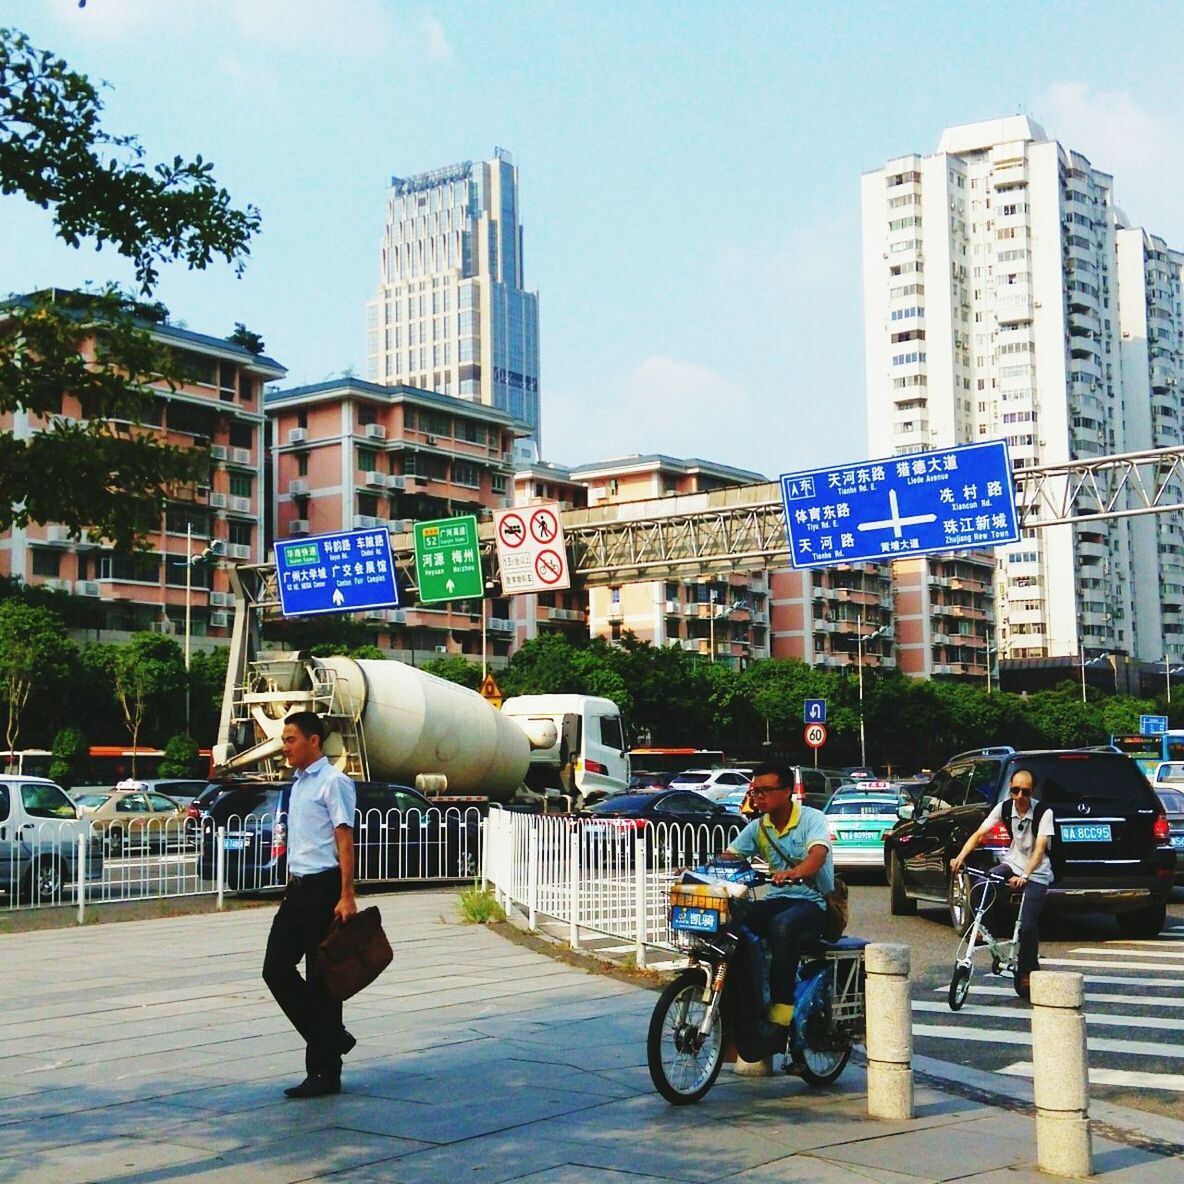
[[336, 573], [815, 712], [951, 499], [1152, 725]]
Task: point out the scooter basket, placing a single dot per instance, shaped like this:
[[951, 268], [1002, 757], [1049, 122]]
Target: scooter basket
[[699, 908], [848, 1011]]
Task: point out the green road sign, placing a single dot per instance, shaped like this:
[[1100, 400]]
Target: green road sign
[[447, 560]]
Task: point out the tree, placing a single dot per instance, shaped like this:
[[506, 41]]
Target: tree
[[180, 757], [34, 653], [54, 152], [455, 669], [243, 336], [70, 752], [149, 670]]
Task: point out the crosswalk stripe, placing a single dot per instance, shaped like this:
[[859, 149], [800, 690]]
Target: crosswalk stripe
[[1178, 955], [1085, 962], [1098, 1019], [1091, 996], [1126, 1077], [1135, 1048]]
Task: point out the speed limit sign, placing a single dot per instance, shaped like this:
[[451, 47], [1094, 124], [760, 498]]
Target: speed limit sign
[[815, 735]]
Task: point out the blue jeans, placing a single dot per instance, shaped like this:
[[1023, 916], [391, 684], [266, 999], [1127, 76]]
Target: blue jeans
[[787, 923]]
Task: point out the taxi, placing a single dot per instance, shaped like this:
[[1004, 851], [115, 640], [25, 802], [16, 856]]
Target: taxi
[[857, 821]]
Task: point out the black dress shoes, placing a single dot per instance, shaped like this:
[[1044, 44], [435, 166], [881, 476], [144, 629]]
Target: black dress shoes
[[315, 1086], [346, 1043]]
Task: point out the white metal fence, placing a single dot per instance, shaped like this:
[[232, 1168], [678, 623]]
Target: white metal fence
[[598, 875], [75, 862]]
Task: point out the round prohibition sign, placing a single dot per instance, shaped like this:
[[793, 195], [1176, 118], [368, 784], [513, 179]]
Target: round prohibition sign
[[815, 735], [511, 530], [543, 526], [548, 566]]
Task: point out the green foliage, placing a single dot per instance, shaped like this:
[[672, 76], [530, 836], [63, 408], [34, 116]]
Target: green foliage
[[372, 652], [479, 906], [180, 757], [99, 479], [321, 636], [207, 683], [149, 671], [243, 336], [455, 669], [35, 656], [70, 751]]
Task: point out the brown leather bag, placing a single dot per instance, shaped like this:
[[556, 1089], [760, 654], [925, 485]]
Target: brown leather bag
[[354, 954]]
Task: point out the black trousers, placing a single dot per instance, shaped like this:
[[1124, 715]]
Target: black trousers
[[788, 924], [1031, 906], [300, 925]]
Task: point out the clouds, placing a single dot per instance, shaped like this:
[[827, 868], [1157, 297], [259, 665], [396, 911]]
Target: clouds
[[1142, 148]]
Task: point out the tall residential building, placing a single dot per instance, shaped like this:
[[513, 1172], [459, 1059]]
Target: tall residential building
[[217, 410], [994, 276], [451, 314]]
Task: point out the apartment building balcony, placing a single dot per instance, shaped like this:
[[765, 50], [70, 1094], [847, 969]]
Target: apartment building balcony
[[614, 612], [1084, 321], [969, 584]]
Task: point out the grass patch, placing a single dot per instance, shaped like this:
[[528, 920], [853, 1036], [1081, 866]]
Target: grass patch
[[479, 906]]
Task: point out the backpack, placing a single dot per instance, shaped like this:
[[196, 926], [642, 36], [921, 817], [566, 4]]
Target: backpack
[[1039, 809]]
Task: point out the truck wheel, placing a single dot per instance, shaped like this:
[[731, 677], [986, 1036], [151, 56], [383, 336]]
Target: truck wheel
[[899, 903], [1143, 922]]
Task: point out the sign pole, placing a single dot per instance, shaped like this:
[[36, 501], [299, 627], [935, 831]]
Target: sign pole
[[484, 656]]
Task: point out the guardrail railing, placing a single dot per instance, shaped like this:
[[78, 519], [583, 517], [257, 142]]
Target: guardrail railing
[[606, 876], [77, 862]]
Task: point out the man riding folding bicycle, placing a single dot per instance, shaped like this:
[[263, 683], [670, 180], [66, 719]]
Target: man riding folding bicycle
[[1025, 868]]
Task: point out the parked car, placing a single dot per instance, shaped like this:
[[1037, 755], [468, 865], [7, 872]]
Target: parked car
[[398, 834], [133, 820], [712, 783], [680, 826], [180, 789], [858, 823], [1172, 798], [39, 832], [1111, 851]]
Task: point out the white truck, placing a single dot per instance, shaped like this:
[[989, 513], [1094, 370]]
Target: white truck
[[389, 721]]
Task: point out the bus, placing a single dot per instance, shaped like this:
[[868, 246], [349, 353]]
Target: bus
[[1148, 751], [106, 764]]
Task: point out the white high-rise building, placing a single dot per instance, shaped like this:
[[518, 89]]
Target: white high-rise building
[[992, 274], [451, 314]]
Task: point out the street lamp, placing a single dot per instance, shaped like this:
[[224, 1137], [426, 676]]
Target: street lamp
[[990, 650], [880, 632], [208, 554]]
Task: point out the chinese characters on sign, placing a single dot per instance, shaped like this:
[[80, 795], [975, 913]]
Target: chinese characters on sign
[[336, 573], [448, 560], [531, 553], [955, 499]]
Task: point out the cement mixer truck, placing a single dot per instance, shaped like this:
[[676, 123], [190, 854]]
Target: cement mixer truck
[[388, 721]]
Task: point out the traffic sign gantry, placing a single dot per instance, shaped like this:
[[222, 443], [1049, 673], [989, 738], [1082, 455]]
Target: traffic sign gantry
[[815, 735], [448, 560], [952, 499], [336, 573]]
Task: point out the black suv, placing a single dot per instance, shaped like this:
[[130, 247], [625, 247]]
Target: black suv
[[398, 835], [1111, 851]]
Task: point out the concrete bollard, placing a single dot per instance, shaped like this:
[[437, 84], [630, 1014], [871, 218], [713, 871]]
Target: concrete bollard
[[1060, 1074], [889, 1032]]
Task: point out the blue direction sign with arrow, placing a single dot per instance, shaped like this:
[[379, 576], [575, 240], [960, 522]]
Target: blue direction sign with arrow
[[815, 712], [951, 499], [336, 573]]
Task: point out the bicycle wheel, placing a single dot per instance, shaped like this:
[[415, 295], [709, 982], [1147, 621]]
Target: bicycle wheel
[[959, 987], [821, 1066], [683, 1065]]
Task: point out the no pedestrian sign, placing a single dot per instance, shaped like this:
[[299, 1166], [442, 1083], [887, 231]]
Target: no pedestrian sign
[[530, 549]]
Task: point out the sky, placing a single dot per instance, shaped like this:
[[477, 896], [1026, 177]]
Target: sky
[[689, 175]]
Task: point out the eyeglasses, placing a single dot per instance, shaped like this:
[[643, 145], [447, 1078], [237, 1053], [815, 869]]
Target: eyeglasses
[[757, 791], [1022, 825], [1020, 793]]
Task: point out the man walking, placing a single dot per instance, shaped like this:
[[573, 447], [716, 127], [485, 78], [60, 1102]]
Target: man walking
[[320, 890]]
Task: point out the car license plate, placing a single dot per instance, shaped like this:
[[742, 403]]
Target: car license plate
[[693, 920], [236, 842], [858, 836], [1085, 832], [1178, 842]]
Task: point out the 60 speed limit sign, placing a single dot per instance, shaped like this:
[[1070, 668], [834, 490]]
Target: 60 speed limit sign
[[815, 735]]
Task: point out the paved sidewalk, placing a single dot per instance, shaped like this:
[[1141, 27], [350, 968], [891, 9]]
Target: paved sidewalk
[[150, 1051]]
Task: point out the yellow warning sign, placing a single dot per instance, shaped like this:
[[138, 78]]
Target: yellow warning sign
[[490, 691]]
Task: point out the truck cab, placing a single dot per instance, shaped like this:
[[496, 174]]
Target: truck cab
[[577, 743]]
